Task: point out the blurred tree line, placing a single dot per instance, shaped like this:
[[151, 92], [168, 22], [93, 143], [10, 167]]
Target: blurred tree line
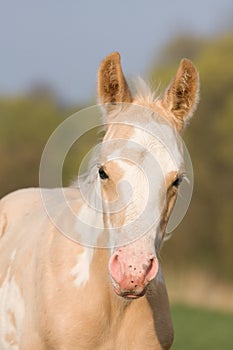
[[204, 238], [25, 125]]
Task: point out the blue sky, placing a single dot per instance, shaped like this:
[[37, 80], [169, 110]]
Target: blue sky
[[62, 42]]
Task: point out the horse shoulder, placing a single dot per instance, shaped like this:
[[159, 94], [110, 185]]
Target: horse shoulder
[[21, 217]]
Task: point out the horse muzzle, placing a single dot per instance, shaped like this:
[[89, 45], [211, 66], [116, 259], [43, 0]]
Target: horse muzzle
[[132, 273]]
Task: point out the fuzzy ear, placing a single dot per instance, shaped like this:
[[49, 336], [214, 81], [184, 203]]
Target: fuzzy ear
[[112, 86], [181, 96]]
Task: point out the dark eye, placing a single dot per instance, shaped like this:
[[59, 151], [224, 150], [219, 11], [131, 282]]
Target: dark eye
[[102, 173], [177, 182]]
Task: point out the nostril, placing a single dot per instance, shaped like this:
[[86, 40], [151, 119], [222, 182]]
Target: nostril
[[152, 269], [114, 268], [151, 262]]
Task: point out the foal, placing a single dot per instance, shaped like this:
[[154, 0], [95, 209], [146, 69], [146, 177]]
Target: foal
[[59, 294]]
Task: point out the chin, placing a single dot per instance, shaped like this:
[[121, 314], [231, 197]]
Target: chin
[[129, 294]]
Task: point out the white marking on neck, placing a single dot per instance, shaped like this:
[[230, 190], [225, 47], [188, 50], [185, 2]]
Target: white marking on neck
[[11, 301], [81, 271]]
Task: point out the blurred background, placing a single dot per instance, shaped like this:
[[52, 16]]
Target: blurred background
[[50, 53]]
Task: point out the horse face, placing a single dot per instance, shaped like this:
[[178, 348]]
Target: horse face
[[137, 178], [141, 168]]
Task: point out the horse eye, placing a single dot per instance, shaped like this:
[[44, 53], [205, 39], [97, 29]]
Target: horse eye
[[177, 182], [102, 173]]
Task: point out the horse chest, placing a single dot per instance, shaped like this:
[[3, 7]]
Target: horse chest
[[101, 321]]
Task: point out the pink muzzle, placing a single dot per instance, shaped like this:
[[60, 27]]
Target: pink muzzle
[[132, 271]]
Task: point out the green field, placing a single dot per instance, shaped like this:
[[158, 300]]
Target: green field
[[201, 329]]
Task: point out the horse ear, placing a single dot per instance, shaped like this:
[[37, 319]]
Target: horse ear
[[181, 96], [112, 86]]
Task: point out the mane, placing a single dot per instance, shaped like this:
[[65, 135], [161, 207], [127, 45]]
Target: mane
[[143, 92]]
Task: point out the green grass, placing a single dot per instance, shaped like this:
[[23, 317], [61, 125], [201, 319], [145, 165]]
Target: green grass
[[201, 329]]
